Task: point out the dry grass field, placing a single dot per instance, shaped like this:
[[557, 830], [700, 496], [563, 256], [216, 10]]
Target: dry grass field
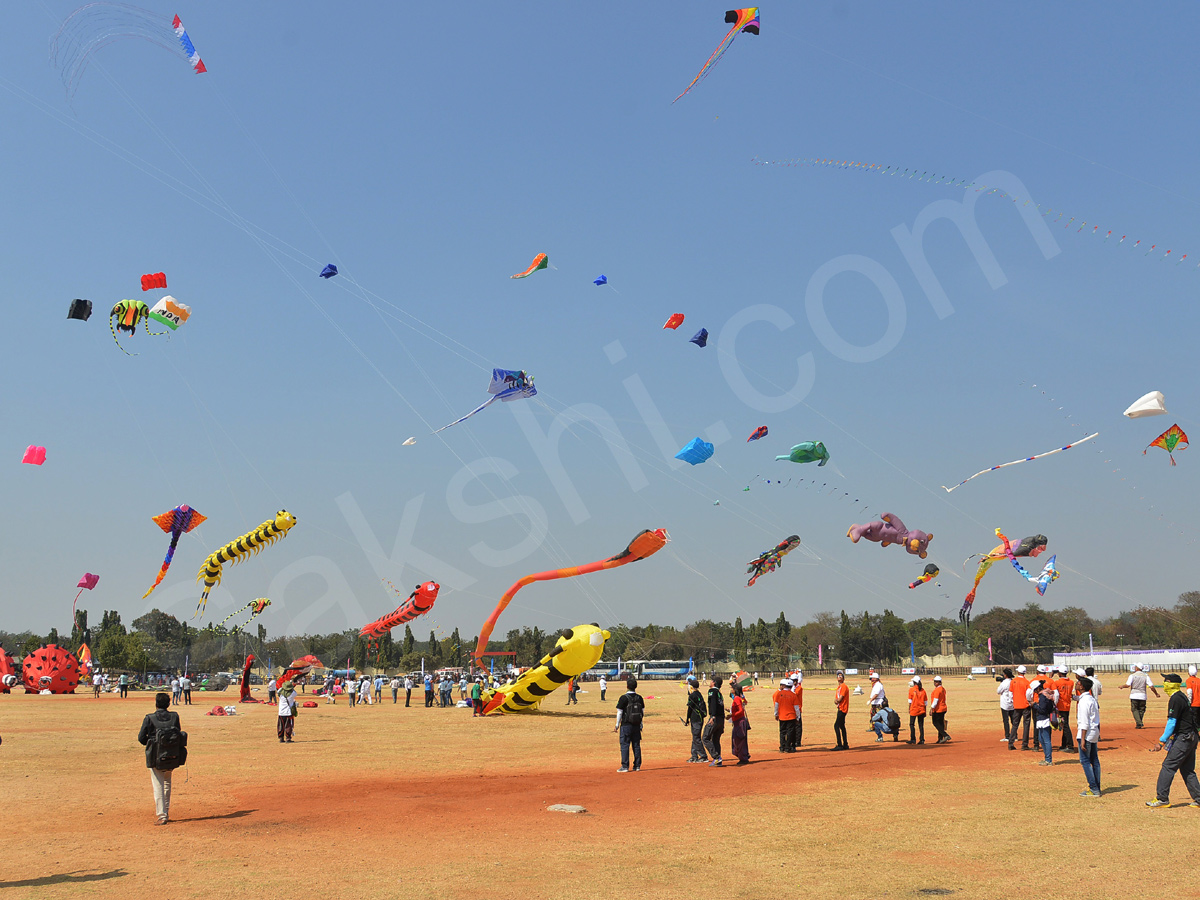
[[387, 802]]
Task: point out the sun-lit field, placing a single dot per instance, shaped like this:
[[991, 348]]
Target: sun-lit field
[[388, 802]]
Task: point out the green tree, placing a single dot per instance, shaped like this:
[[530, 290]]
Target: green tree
[[406, 649]]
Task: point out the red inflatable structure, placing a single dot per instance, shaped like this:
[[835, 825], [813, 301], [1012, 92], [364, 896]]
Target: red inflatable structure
[[245, 697], [154, 280], [7, 668], [50, 668], [419, 602]]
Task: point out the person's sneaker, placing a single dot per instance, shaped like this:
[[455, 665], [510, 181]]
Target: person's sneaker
[[637, 768], [1088, 793], [1194, 805], [1045, 762], [879, 740], [910, 742], [716, 762], [921, 741], [1157, 804], [622, 769]]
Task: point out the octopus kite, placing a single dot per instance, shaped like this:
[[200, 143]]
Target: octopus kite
[[1030, 546], [645, 543], [175, 522], [772, 559], [255, 606], [742, 20], [235, 551], [890, 530], [127, 314]]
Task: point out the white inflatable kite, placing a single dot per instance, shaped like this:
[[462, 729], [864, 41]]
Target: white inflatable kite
[[1153, 404]]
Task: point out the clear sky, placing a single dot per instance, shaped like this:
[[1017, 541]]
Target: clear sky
[[431, 150]]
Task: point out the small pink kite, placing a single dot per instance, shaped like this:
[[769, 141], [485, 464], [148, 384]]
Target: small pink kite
[[35, 456], [86, 583]]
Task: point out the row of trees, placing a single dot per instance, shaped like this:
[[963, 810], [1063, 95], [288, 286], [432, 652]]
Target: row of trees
[[157, 641]]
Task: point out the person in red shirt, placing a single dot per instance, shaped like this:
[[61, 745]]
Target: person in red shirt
[[1021, 712], [841, 699], [741, 726], [937, 709], [1066, 690], [917, 701], [785, 715]]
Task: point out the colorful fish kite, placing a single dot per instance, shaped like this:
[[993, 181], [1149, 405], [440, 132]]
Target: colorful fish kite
[[930, 573], [645, 543], [80, 309], [1049, 572], [186, 43], [1151, 404], [770, 560], [1030, 546], [175, 522], [155, 280], [695, 451], [170, 312], [700, 338], [126, 315], [419, 602], [256, 608], [329, 271], [603, 279], [758, 433], [541, 261], [742, 20], [34, 455], [236, 550], [507, 385], [674, 322], [1170, 440], [1016, 461], [806, 452]]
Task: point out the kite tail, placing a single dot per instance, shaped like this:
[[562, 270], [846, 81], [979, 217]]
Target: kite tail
[[162, 573], [74, 620], [115, 339]]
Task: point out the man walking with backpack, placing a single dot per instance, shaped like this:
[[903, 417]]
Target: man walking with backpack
[[631, 709], [166, 750]]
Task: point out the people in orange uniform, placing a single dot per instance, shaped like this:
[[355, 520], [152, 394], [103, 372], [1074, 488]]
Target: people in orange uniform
[[841, 699], [798, 690], [917, 703], [937, 709], [785, 715], [1021, 712], [1192, 688], [1066, 690]]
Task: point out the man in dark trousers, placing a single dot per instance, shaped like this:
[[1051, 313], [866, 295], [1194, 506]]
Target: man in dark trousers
[[695, 719], [715, 726], [155, 735], [631, 709], [1181, 757], [1021, 714]]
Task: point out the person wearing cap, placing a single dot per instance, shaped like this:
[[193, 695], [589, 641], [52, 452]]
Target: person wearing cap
[[1087, 734], [917, 703], [476, 697], [937, 709], [1043, 701], [798, 690], [604, 687], [879, 698], [785, 715], [1004, 689], [1066, 690], [1021, 713], [715, 726], [841, 700], [740, 726], [1181, 757], [1137, 684], [695, 719]]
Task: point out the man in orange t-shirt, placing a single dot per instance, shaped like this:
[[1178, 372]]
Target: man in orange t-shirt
[[1193, 685], [1021, 712], [916, 710], [937, 709], [785, 715], [841, 699], [1066, 690]]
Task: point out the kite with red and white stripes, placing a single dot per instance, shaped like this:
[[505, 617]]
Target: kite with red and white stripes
[[188, 48]]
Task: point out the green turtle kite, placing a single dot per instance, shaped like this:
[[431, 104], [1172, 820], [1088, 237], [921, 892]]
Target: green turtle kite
[[809, 451]]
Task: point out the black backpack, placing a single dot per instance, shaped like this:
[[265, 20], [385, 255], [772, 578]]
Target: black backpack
[[893, 721], [170, 747], [635, 710]]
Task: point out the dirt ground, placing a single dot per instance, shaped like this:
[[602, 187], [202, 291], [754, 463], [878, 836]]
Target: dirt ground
[[393, 802]]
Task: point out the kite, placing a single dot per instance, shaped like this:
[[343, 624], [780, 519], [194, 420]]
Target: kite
[[86, 583], [255, 606], [1030, 546], [155, 280], [235, 551], [930, 573], [742, 20], [80, 309], [695, 452], [507, 385], [675, 321], [541, 261], [1152, 404], [186, 43], [603, 279], [576, 650], [758, 433], [409, 442], [806, 452], [244, 696], [772, 559], [85, 659], [175, 522], [700, 338], [1169, 440], [300, 667], [34, 455], [128, 314], [1015, 461], [645, 543], [419, 602], [1043, 581], [329, 271], [890, 530], [170, 312]]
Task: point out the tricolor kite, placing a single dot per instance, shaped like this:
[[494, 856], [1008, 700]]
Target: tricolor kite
[[188, 48]]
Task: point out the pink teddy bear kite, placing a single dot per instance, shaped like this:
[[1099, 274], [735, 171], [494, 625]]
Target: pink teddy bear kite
[[892, 531]]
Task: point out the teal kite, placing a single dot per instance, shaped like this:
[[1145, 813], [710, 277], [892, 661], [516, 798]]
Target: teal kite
[[809, 451]]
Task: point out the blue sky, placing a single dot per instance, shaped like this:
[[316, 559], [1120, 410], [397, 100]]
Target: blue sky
[[430, 156]]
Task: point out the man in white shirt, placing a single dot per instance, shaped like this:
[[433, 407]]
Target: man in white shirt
[[271, 691], [185, 688], [175, 690], [1137, 684], [878, 695], [603, 687], [408, 686], [1004, 689], [1087, 735], [97, 684]]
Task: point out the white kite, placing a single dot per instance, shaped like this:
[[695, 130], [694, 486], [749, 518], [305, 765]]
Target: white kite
[[1153, 404], [1015, 461]]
